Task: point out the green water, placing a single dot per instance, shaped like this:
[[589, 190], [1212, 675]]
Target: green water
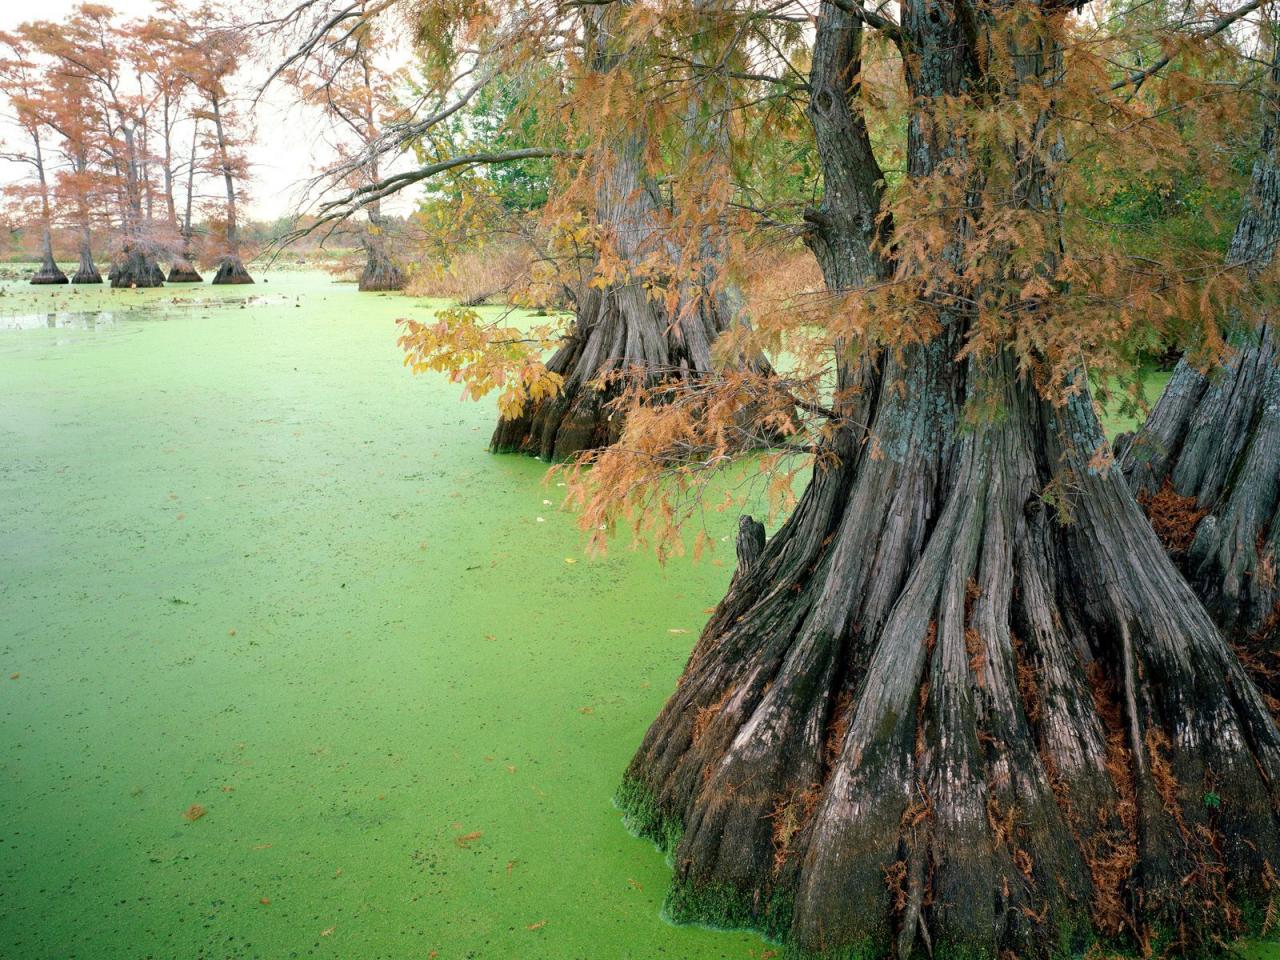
[[248, 562]]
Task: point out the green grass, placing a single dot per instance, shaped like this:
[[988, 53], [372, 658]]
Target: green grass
[[248, 562]]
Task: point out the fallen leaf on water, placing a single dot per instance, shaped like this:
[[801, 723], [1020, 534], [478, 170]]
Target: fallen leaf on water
[[194, 813], [570, 560], [511, 768], [511, 865], [265, 901], [708, 609], [338, 872], [537, 926], [677, 630], [328, 931], [541, 520], [182, 516], [14, 676], [263, 846], [231, 632], [635, 884], [466, 839], [586, 709]]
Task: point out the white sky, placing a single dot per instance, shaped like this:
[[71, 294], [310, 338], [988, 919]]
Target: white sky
[[290, 143]]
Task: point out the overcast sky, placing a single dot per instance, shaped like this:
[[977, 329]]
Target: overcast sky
[[290, 143]]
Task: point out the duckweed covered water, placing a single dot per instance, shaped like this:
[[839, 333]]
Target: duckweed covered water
[[249, 563], [290, 666]]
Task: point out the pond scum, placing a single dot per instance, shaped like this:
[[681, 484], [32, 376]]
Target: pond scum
[[290, 667]]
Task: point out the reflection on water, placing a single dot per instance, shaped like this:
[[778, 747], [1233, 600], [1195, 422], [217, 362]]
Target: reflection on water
[[59, 320], [91, 320]]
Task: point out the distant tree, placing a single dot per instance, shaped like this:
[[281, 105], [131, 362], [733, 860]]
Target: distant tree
[[346, 80], [213, 51], [24, 81]]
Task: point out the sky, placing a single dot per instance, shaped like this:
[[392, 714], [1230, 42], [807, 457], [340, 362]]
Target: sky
[[290, 139]]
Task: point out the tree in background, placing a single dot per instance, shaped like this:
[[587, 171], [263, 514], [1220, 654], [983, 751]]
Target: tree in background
[[213, 54], [23, 81], [165, 60], [344, 78], [1206, 463]]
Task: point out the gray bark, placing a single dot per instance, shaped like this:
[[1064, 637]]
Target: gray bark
[[962, 701], [622, 328], [1215, 438]]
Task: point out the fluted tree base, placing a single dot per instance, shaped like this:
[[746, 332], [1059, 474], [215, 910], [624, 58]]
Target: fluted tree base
[[231, 271], [962, 704], [136, 269], [380, 274], [1211, 448], [48, 273], [183, 271]]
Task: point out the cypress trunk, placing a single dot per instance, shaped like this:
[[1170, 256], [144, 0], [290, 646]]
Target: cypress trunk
[[1206, 464], [622, 330], [87, 270], [136, 267], [49, 271], [231, 270], [962, 702], [183, 270], [380, 271]]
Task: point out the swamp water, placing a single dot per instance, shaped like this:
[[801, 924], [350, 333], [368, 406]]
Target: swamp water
[[248, 562], [250, 566]]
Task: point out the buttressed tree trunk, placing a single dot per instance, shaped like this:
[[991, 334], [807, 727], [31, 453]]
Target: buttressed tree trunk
[[380, 271], [1207, 461], [932, 715], [183, 269], [49, 271], [231, 268], [621, 328], [136, 264], [86, 270]]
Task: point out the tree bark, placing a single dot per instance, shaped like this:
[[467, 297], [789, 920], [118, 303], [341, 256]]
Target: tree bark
[[1208, 457], [136, 264], [962, 703], [183, 269], [380, 271], [231, 269], [49, 272], [621, 330]]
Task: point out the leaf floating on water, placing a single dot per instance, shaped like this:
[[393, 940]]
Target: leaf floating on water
[[677, 630], [466, 839], [194, 813], [634, 884], [511, 865], [541, 520], [570, 560], [537, 926], [265, 901], [14, 676], [328, 931], [586, 709]]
